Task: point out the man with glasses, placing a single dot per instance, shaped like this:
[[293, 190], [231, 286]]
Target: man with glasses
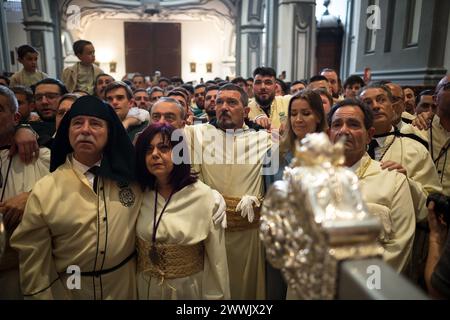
[[47, 93]]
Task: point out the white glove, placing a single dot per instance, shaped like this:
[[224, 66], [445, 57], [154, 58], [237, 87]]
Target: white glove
[[220, 216], [246, 207]]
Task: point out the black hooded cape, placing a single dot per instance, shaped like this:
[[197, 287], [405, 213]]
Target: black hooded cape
[[118, 155]]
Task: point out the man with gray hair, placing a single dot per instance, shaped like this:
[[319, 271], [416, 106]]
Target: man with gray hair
[[170, 111], [16, 181]]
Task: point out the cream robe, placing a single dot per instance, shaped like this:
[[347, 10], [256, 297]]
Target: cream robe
[[421, 172], [441, 138], [390, 191], [21, 178], [65, 223], [278, 110], [237, 172], [187, 220]]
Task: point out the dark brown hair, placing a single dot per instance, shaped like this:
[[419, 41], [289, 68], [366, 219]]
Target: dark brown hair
[[181, 175]]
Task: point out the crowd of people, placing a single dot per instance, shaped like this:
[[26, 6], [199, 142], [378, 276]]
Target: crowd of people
[[137, 189]]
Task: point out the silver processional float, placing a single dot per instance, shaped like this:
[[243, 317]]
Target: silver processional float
[[315, 219]]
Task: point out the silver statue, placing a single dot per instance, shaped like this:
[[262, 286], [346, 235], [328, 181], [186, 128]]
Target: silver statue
[[315, 217]]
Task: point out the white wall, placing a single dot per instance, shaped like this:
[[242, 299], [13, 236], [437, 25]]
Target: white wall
[[201, 42], [109, 42]]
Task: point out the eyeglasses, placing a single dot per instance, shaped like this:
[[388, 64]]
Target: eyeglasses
[[47, 95]]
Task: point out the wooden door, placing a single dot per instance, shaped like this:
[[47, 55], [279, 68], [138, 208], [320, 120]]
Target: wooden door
[[153, 46]]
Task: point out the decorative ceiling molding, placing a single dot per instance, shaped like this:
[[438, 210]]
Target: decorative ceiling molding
[[167, 8], [198, 10]]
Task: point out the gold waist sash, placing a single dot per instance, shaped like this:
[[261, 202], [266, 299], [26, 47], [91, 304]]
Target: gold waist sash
[[235, 222], [173, 261]]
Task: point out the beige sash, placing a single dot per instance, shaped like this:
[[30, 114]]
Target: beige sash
[[174, 261]]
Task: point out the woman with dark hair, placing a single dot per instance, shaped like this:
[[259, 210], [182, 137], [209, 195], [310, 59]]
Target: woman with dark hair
[[181, 252], [305, 115]]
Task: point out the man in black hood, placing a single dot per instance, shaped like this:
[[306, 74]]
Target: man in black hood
[[77, 236]]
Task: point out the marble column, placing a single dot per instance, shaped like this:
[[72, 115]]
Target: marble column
[[296, 41], [5, 62], [40, 27], [250, 37]]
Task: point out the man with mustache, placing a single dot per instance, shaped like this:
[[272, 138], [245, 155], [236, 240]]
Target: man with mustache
[[266, 109], [386, 192], [229, 158], [77, 236], [398, 151]]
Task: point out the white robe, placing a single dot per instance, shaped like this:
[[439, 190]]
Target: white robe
[[67, 224], [415, 158], [441, 138], [237, 171], [187, 220], [390, 191], [21, 178]]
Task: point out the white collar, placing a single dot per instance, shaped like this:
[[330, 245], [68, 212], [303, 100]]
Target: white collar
[[82, 168]]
